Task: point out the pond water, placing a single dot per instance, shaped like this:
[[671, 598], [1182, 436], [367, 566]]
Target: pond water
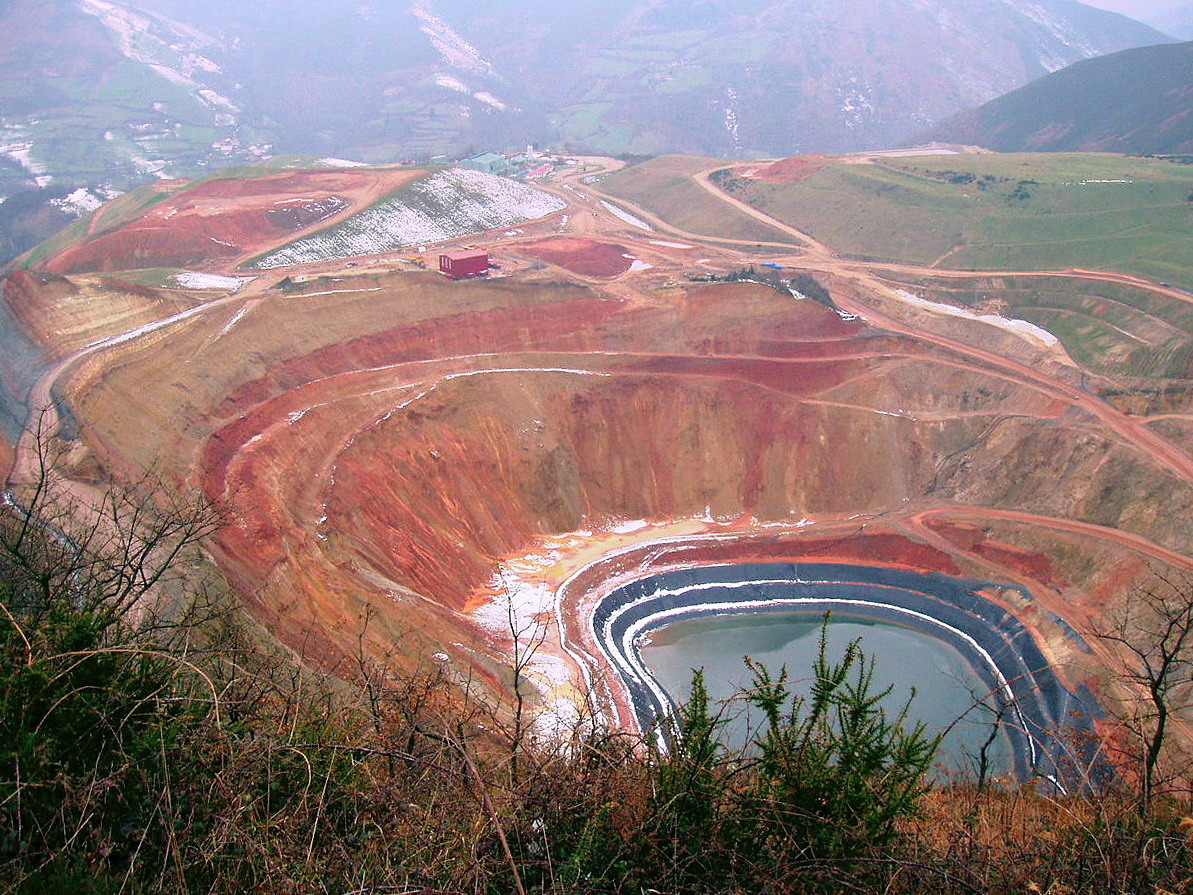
[[947, 691], [936, 632]]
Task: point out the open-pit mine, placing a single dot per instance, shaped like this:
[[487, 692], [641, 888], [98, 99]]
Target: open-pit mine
[[615, 430]]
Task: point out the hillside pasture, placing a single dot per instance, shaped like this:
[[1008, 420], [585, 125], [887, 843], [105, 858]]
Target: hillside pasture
[[664, 187], [1109, 329], [997, 212]]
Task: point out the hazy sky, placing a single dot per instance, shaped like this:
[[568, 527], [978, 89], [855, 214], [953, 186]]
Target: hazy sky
[[1134, 8]]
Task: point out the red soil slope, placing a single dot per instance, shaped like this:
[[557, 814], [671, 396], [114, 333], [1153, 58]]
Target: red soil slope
[[402, 442], [586, 257], [222, 220], [6, 452], [792, 170], [1032, 565]]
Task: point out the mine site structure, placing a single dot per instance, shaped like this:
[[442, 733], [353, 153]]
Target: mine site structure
[[464, 264], [753, 361]]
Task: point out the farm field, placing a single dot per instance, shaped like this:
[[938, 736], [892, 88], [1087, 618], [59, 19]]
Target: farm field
[[664, 186], [1008, 212]]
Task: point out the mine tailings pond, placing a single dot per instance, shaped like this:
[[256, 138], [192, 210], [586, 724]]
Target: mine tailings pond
[[933, 632]]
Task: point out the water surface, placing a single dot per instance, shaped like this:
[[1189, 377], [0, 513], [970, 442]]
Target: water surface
[[946, 688]]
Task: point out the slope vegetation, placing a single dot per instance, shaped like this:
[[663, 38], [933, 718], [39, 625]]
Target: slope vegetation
[[1138, 101], [995, 212]]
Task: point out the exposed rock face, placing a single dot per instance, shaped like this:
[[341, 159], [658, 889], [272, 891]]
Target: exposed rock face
[[405, 442]]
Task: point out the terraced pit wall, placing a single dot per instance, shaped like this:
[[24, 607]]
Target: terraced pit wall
[[1044, 718]]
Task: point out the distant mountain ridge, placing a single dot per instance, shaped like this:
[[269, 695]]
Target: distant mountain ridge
[[1177, 20], [1137, 101], [109, 93]]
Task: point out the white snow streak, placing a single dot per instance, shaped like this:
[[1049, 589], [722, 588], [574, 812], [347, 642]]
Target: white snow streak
[[1018, 327], [623, 215]]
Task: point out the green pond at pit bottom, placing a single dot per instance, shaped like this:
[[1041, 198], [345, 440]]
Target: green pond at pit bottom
[[945, 684]]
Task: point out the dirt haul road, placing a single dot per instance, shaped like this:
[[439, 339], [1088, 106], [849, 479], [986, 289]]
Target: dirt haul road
[[820, 257], [862, 291]]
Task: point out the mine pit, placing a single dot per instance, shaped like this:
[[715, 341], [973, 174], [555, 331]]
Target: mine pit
[[468, 465], [1003, 673]]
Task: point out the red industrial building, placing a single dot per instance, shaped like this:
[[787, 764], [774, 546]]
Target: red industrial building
[[461, 265]]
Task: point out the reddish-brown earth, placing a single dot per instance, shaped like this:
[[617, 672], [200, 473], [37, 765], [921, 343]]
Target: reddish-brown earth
[[404, 449], [792, 170], [222, 220], [586, 257], [408, 444], [6, 452], [976, 540]]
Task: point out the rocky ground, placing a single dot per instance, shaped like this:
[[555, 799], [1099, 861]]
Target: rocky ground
[[427, 469]]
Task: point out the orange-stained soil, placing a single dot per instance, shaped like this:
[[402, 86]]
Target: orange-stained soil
[[6, 452], [792, 170], [1034, 566], [399, 448], [227, 220], [586, 257]]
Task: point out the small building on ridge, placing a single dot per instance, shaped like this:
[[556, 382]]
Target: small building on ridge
[[462, 265], [489, 162]]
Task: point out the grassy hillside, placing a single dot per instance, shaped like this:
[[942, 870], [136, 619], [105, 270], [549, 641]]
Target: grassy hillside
[[665, 187], [1002, 212], [1137, 101], [1107, 328]]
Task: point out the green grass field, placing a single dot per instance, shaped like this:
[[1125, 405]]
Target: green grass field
[[999, 212], [1107, 328], [665, 187]]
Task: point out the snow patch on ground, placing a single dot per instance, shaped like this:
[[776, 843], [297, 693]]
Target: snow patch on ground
[[630, 526], [623, 215], [217, 100], [671, 245], [443, 206], [193, 279], [639, 264], [456, 52], [731, 123], [236, 318], [83, 201], [21, 152], [1059, 31], [340, 163], [155, 43], [490, 100], [451, 83], [1018, 327], [857, 102]]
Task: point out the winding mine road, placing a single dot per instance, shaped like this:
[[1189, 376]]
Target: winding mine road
[[817, 256], [860, 289]]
